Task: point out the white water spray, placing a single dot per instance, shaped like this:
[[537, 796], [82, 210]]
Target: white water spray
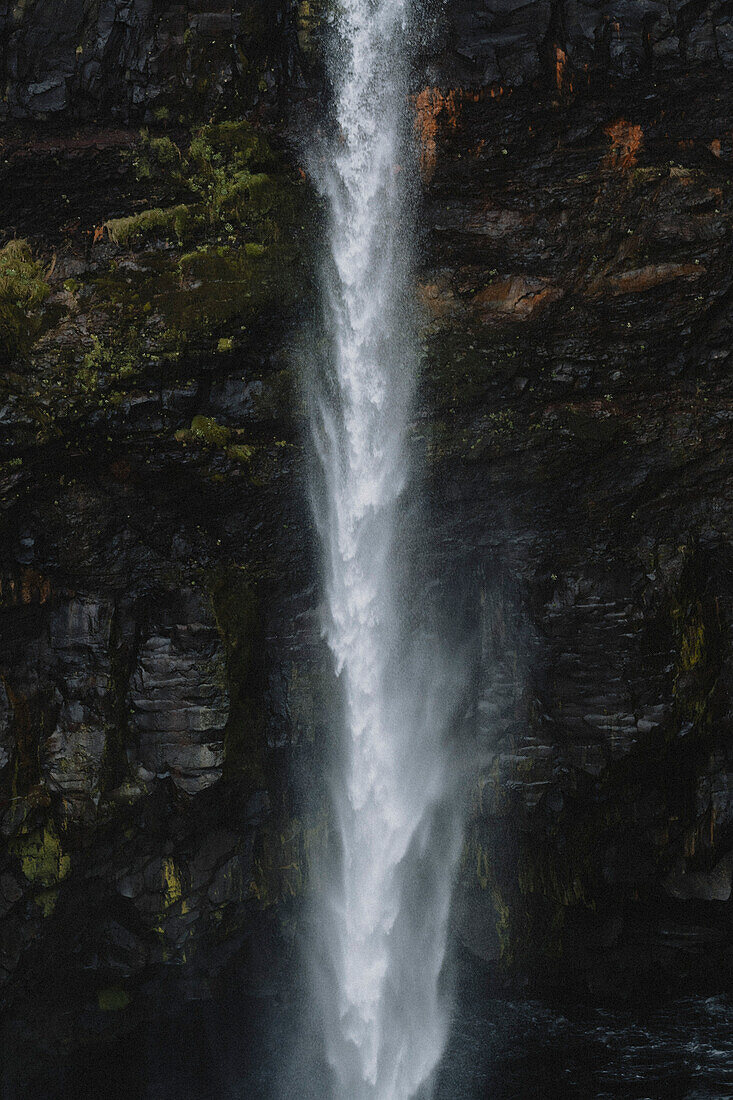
[[384, 924]]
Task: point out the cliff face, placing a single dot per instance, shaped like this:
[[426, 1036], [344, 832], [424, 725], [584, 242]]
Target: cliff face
[[578, 396], [514, 43], [122, 58], [164, 695]]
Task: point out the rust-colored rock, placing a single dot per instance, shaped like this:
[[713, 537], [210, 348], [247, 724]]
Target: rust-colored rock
[[517, 297], [437, 298], [626, 142], [641, 279]]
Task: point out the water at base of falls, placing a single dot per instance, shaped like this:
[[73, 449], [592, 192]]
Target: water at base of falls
[[501, 1049], [383, 922]]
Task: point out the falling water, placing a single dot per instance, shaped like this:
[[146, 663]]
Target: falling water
[[385, 918]]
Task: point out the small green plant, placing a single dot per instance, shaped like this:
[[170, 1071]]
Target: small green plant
[[205, 429], [23, 289]]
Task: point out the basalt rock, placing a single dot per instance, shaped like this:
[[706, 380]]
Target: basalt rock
[[513, 42], [125, 59], [603, 652], [178, 699]]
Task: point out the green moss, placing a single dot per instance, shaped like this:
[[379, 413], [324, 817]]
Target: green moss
[[41, 857], [236, 142], [225, 171], [156, 157], [23, 289], [113, 998], [312, 16], [483, 867], [175, 222], [172, 884], [204, 429], [693, 648], [219, 285], [241, 452], [46, 901], [236, 204], [216, 264], [240, 211], [698, 629], [189, 299]]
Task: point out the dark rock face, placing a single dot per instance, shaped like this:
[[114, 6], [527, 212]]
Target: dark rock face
[[164, 696], [578, 400], [131, 58], [512, 42], [178, 697], [136, 58]]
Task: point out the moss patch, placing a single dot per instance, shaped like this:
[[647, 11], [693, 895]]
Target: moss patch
[[46, 901], [113, 998], [23, 289], [41, 857], [173, 223], [172, 884], [204, 429], [239, 208], [698, 629], [229, 174]]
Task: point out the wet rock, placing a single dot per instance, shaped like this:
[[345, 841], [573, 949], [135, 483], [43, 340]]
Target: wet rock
[[10, 892], [178, 696], [6, 743], [496, 40], [517, 297], [713, 885], [130, 885], [132, 56], [228, 883], [79, 643], [123, 951], [215, 849], [636, 282], [575, 426], [233, 399]]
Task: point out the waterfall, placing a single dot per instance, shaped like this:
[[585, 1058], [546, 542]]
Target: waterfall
[[385, 916]]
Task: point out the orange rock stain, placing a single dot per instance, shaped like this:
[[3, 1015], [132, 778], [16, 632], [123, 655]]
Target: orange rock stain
[[436, 109], [626, 142]]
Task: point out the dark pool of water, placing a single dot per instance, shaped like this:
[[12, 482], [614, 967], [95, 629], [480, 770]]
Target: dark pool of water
[[510, 1050], [499, 1050]]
